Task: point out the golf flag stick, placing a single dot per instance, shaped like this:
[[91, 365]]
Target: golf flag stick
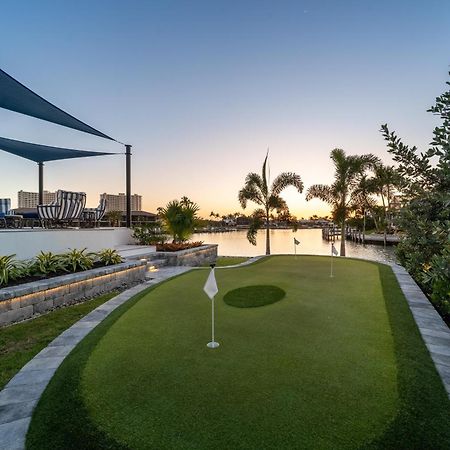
[[211, 290], [295, 247], [333, 252]]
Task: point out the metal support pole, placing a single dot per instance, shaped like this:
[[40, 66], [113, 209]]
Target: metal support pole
[[41, 183], [128, 184]]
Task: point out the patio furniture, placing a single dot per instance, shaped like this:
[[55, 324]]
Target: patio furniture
[[94, 215], [30, 216], [66, 209], [7, 218]]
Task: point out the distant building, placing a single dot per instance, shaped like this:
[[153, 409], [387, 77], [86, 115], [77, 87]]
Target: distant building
[[119, 202], [31, 199]]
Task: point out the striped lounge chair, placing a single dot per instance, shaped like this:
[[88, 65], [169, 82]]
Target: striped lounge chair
[[5, 207], [67, 208], [94, 215]]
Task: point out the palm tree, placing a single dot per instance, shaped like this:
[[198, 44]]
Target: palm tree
[[340, 195], [384, 183], [179, 218], [363, 199], [257, 190]]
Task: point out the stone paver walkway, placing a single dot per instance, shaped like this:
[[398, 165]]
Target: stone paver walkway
[[20, 396]]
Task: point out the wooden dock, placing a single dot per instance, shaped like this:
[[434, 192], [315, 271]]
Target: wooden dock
[[333, 232]]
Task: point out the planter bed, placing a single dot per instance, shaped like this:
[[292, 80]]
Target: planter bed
[[26, 300]]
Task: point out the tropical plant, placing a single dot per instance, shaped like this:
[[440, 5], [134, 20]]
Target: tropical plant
[[425, 217], [47, 262], [364, 201], [78, 259], [257, 190], [179, 218], [9, 268], [342, 195], [109, 257], [385, 183], [149, 234]]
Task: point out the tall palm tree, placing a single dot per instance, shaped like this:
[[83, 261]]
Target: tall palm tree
[[363, 199], [257, 190], [385, 182], [340, 195]]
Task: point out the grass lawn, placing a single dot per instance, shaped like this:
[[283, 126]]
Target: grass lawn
[[337, 363], [228, 261], [21, 342]]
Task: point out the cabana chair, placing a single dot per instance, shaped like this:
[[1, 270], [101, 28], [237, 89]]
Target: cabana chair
[[66, 209], [94, 215]]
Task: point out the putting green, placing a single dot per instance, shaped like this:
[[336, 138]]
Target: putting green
[[338, 363], [294, 371], [254, 296]]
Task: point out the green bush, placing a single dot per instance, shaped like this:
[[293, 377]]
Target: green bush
[[46, 263], [109, 257], [78, 260], [9, 269], [149, 234]]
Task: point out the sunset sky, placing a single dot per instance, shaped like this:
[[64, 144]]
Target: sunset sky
[[201, 89]]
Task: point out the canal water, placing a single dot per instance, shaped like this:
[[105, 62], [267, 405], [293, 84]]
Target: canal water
[[235, 243]]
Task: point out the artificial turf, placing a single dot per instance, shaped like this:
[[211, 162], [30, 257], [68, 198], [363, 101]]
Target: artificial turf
[[338, 363], [253, 296]]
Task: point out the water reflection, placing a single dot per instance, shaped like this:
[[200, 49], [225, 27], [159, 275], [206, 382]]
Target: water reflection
[[235, 243]]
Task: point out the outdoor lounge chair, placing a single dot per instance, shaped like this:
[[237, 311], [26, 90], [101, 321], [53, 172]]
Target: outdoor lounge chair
[[66, 209], [94, 215]]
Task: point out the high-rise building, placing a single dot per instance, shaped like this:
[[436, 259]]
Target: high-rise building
[[119, 202], [31, 199]]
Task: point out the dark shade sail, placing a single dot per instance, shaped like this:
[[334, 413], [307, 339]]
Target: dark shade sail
[[41, 153], [17, 97]]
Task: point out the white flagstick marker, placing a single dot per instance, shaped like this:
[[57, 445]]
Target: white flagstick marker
[[333, 252], [295, 247], [211, 290]]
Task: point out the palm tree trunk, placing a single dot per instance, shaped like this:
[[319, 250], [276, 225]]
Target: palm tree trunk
[[343, 238], [364, 227], [267, 233]]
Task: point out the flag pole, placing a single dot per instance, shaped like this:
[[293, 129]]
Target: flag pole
[[211, 290], [295, 250], [331, 274], [213, 343]]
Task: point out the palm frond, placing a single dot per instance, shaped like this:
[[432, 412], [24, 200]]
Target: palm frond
[[322, 192], [276, 202], [250, 193], [256, 222], [285, 180], [264, 187]]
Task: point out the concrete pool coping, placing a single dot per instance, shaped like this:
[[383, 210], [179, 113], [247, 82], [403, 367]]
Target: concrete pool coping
[[21, 395]]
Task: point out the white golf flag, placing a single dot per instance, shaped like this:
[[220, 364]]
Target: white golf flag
[[211, 286], [333, 249]]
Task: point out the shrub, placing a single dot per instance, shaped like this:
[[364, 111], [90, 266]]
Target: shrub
[[149, 234], [109, 257], [48, 262], [78, 260], [180, 218], [9, 269]]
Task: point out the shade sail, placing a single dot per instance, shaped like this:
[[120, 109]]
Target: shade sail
[[17, 97], [41, 153]]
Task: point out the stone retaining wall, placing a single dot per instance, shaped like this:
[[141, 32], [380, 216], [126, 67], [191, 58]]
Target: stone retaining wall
[[206, 254], [26, 300]]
